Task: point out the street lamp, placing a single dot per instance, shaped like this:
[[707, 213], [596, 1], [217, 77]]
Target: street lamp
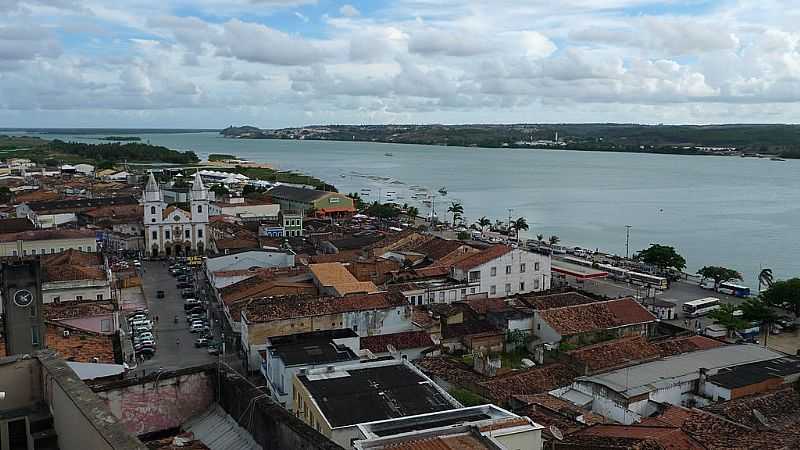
[[627, 240]]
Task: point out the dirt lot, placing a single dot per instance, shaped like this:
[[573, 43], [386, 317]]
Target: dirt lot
[[788, 342]]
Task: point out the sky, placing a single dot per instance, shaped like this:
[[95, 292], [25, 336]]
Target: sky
[[281, 63]]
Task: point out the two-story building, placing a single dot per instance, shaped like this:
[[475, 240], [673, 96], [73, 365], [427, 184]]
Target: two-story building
[[323, 203], [40, 242], [500, 271]]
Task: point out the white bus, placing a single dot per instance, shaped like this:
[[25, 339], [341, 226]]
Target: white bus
[[615, 273], [700, 307], [645, 279]]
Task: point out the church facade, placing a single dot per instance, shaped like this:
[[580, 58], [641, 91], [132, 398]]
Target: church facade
[[171, 230]]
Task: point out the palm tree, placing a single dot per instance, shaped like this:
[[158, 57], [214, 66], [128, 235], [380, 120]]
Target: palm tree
[[554, 240], [540, 238], [765, 278], [498, 225], [520, 225], [412, 212], [726, 316], [483, 222], [754, 309], [457, 209]]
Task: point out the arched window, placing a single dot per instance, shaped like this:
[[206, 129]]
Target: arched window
[[152, 210], [199, 208]]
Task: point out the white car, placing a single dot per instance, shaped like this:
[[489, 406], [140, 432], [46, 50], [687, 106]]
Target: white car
[[197, 326], [144, 336]]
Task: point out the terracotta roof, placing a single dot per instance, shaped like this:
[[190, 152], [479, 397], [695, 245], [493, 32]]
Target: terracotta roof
[[615, 353], [288, 308], [171, 209], [542, 302], [668, 438], [437, 248], [578, 319], [72, 256], [47, 234], [717, 432], [35, 196], [80, 345], [460, 441], [336, 276], [16, 225], [469, 328], [133, 212], [400, 341], [76, 309], [478, 259], [452, 371], [258, 286], [781, 409], [485, 305], [532, 381], [686, 344], [72, 265]]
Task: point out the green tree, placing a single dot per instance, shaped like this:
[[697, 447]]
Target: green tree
[[412, 212], [383, 210], [554, 240], [482, 223], [765, 278], [220, 190], [520, 225], [5, 194], [180, 183], [358, 202], [719, 274], [755, 310], [726, 317], [785, 293], [663, 257], [540, 238], [463, 236], [457, 209]]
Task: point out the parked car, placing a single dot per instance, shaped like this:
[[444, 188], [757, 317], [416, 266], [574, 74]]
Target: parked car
[[138, 315], [145, 336], [196, 310], [201, 342], [140, 330], [197, 326], [193, 317], [142, 344], [184, 285], [213, 350], [187, 293], [147, 352]]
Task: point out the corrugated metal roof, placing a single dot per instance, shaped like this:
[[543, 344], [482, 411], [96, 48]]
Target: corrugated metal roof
[[219, 431]]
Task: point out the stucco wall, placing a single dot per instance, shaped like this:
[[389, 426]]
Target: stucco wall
[[160, 404]]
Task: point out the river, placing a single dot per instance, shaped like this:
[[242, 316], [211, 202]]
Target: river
[[736, 212]]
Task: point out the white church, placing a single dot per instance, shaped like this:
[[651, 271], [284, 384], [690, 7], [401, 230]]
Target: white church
[[172, 231]]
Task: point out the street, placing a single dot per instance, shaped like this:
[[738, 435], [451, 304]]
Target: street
[[174, 343]]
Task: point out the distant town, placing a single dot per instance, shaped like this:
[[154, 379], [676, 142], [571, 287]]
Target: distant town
[[776, 141], [152, 300]]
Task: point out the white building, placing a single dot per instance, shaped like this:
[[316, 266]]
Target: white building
[[501, 271], [40, 242], [629, 394], [170, 230]]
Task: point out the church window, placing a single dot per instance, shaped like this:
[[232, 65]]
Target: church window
[[200, 208], [152, 210]]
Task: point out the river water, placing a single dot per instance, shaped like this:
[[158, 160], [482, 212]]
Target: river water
[[741, 213]]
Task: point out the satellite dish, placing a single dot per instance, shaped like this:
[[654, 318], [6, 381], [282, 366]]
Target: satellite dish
[[760, 417], [556, 433]]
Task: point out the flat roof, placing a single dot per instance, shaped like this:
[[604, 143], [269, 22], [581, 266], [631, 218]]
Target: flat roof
[[747, 374], [647, 377], [312, 348], [352, 395], [574, 270]]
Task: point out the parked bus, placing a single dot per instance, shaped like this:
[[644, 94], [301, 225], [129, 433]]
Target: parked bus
[[700, 307], [734, 289], [645, 279], [615, 273]]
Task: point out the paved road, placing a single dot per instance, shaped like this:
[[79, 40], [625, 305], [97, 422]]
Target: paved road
[[169, 354]]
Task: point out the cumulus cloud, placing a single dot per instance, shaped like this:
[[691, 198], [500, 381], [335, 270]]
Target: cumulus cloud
[[418, 60]]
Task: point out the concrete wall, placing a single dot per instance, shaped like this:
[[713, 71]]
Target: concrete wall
[[272, 427], [15, 381], [162, 402], [67, 291], [19, 248]]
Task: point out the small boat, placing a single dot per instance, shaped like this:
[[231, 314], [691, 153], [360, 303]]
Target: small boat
[[426, 202], [443, 191], [775, 158], [388, 154]]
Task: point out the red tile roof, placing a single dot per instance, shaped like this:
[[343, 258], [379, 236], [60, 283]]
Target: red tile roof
[[532, 381], [578, 319], [400, 341], [80, 345], [289, 308], [171, 209], [781, 409], [686, 345], [76, 309], [47, 234], [235, 244], [615, 353], [478, 259], [668, 438], [542, 302], [72, 265]]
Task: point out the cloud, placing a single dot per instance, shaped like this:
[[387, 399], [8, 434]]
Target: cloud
[[349, 11], [27, 42], [259, 43]]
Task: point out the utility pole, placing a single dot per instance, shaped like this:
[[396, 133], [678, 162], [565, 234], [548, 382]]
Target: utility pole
[[627, 240]]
